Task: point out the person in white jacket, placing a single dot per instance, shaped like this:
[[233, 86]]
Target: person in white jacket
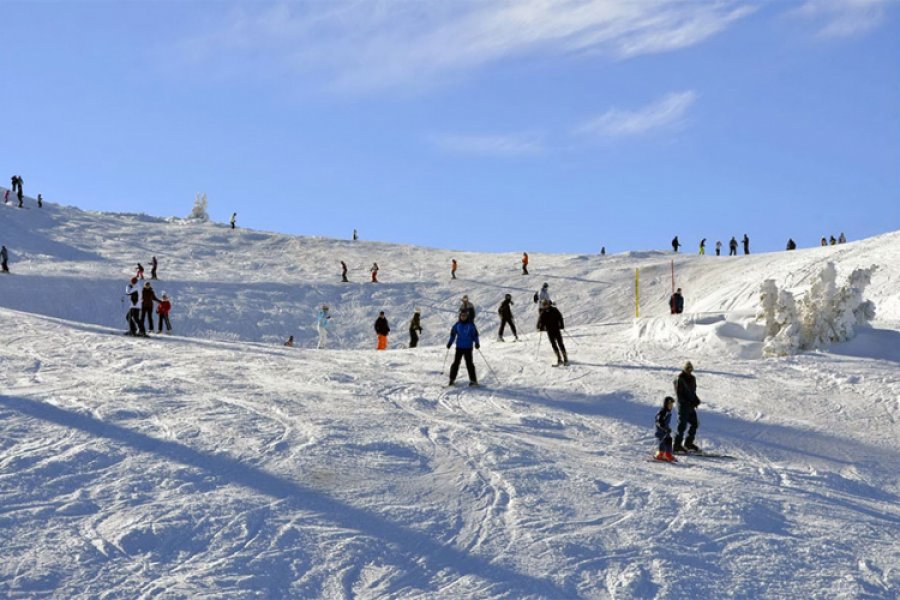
[[323, 320], [134, 296]]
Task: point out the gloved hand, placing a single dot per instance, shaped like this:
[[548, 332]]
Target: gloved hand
[[448, 346], [478, 346]]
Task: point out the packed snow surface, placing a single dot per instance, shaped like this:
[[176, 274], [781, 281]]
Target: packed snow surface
[[217, 463]]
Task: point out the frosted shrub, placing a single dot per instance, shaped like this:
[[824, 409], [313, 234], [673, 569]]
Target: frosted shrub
[[199, 212], [826, 315]]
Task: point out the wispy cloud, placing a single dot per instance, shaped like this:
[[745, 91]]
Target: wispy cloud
[[498, 146], [667, 113], [366, 45], [843, 18]]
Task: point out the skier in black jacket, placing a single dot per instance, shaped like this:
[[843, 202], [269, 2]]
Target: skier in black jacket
[[415, 328], [506, 317], [686, 391], [382, 329], [732, 247], [675, 243], [676, 303], [551, 321], [746, 242]]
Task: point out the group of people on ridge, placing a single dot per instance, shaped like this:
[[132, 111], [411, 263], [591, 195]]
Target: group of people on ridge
[[732, 246]]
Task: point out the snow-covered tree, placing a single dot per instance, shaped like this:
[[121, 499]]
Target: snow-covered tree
[[199, 212], [827, 314]]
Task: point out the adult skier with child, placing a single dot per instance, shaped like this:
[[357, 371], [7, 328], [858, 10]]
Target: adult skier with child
[[686, 392]]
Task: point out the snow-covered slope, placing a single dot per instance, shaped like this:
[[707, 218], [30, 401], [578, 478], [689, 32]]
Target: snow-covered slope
[[218, 464]]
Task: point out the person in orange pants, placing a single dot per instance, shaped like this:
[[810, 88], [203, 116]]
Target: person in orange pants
[[382, 329]]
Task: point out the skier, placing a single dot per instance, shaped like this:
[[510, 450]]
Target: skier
[[40, 201], [686, 392], [415, 328], [6, 197], [541, 296], [453, 269], [603, 251], [842, 239], [233, 219], [676, 302], [374, 270], [718, 248], [19, 184], [133, 292], [20, 195], [746, 242], [148, 297], [791, 245], [551, 321], [323, 320], [465, 305], [732, 247], [153, 264], [675, 243], [4, 259], [344, 273], [290, 342], [382, 329], [702, 246], [140, 271], [506, 317], [664, 430], [832, 241], [162, 311], [355, 235], [524, 263], [465, 334]]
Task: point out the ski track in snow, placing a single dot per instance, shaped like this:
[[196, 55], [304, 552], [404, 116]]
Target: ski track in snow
[[215, 463]]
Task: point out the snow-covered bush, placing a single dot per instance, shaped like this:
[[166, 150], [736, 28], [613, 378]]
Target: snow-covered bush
[[827, 313], [199, 212]]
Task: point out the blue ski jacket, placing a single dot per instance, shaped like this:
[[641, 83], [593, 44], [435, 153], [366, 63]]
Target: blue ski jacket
[[663, 423], [465, 334]]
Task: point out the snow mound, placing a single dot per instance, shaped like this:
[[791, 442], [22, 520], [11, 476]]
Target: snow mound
[[736, 335]]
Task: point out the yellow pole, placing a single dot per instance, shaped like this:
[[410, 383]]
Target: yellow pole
[[637, 293]]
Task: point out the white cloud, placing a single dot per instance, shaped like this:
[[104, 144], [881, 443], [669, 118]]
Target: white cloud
[[668, 112], [843, 18], [503, 146], [374, 44]]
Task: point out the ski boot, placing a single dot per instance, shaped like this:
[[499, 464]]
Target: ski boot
[[678, 448], [691, 446]]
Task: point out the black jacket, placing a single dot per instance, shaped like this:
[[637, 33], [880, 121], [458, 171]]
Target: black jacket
[[505, 310], [676, 303], [686, 391], [381, 326], [551, 320], [414, 324]]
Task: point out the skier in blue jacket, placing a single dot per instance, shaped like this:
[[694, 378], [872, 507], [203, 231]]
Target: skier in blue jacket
[[664, 430], [465, 334], [323, 320]]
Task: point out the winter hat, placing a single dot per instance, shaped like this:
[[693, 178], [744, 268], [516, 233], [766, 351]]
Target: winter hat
[[146, 285], [546, 285], [165, 295], [418, 310], [509, 296], [465, 298], [688, 366]]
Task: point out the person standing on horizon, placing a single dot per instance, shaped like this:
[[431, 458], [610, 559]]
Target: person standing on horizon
[[524, 263], [233, 219], [746, 242], [719, 248], [675, 244], [732, 247]]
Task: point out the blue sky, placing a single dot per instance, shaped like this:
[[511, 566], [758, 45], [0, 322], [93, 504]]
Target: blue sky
[[537, 125]]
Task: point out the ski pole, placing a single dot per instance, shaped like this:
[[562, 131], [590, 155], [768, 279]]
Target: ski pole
[[570, 338], [489, 367], [444, 364]]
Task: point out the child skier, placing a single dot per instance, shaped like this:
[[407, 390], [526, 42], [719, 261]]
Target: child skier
[[162, 309], [664, 431], [374, 270], [453, 269]]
